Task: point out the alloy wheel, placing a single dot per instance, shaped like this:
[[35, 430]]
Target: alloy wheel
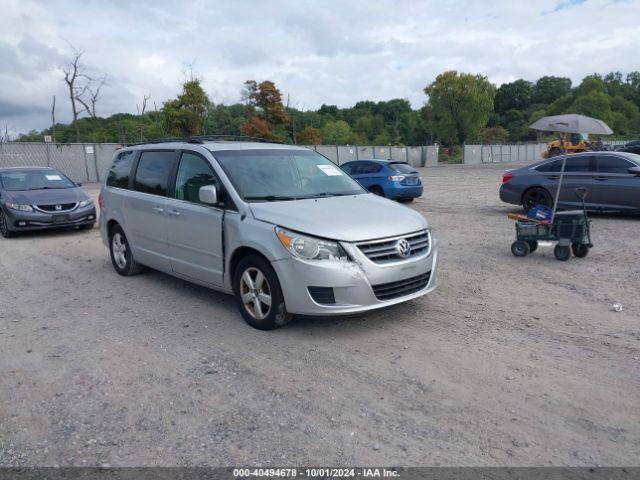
[[255, 293], [119, 247]]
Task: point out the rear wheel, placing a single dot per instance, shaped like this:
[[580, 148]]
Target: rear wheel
[[4, 226], [520, 248], [536, 196], [562, 252], [121, 256], [580, 250], [376, 190], [258, 294]]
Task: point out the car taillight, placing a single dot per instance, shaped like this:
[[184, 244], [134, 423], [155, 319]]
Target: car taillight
[[506, 177], [100, 200]]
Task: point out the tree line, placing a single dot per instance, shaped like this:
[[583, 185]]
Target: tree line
[[459, 108]]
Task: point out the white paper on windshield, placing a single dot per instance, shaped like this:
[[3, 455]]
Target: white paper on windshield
[[329, 170], [53, 177]]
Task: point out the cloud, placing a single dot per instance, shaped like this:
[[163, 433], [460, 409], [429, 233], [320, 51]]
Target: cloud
[[316, 51]]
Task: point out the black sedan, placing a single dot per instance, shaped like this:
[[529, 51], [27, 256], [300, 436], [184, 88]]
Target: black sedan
[[612, 180], [631, 147], [37, 198]]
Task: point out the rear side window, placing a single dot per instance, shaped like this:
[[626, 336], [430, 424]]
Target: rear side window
[[554, 166], [402, 167], [611, 164], [152, 174], [369, 167], [348, 167], [120, 171], [194, 172], [582, 164]]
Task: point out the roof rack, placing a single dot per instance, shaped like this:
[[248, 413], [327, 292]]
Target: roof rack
[[205, 138]]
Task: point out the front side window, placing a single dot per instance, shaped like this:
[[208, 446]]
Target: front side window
[[152, 174], [120, 171], [274, 174], [194, 172], [35, 180], [611, 164]]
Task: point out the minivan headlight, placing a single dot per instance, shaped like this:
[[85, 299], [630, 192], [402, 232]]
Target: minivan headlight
[[85, 203], [17, 206], [310, 248]]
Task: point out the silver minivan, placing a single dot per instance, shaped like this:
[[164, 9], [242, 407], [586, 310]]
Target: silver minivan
[[281, 227]]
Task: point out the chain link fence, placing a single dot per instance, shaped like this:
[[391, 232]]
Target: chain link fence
[[89, 162]]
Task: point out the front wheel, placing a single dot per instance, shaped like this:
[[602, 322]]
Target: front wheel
[[258, 294], [562, 253], [580, 250], [520, 248], [4, 226]]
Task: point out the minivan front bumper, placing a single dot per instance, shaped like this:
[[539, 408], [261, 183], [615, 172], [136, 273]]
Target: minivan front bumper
[[351, 284]]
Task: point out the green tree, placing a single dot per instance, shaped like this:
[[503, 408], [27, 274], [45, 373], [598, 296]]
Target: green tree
[[549, 88], [336, 132], [461, 104], [513, 96], [594, 104], [185, 115]]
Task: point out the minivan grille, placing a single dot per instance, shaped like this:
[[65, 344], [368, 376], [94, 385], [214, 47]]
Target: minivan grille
[[388, 291], [384, 251], [64, 207]]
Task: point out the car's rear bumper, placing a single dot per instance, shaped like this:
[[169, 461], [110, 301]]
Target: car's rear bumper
[[19, 221], [509, 194], [404, 191]]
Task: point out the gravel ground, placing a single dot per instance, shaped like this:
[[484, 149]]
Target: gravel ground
[[512, 361]]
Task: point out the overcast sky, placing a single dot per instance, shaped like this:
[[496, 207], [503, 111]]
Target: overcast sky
[[316, 51]]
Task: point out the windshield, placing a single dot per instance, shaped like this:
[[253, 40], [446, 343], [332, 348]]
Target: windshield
[[34, 180], [271, 175]]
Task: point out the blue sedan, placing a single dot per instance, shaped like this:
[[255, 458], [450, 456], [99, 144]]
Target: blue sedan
[[396, 180]]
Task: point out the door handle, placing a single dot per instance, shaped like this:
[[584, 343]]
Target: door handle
[[157, 209], [553, 177], [602, 179], [175, 213]]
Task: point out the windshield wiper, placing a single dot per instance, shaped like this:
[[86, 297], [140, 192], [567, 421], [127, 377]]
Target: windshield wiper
[[271, 198], [328, 194]]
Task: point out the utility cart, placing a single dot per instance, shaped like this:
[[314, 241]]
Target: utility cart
[[571, 230]]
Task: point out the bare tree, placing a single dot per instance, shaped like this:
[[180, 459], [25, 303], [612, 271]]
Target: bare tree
[[73, 74], [93, 87], [142, 109], [53, 119], [5, 136]]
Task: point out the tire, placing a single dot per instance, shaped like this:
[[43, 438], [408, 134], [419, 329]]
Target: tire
[[376, 190], [4, 226], [520, 248], [533, 245], [562, 253], [258, 294], [87, 227], [121, 256], [580, 250], [536, 196], [406, 200]]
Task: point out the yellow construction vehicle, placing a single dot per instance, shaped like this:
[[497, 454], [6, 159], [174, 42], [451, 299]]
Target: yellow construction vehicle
[[569, 142]]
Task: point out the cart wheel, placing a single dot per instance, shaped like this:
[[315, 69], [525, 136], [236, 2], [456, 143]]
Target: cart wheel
[[520, 248], [580, 250], [533, 245], [562, 253]]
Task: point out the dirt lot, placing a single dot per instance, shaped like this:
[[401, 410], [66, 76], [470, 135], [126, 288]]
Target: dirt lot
[[510, 362]]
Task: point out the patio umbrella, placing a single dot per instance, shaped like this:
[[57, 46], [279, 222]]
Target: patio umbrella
[[569, 123], [572, 123]]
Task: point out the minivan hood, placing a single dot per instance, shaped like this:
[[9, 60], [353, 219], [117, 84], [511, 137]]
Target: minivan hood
[[47, 196], [347, 218]]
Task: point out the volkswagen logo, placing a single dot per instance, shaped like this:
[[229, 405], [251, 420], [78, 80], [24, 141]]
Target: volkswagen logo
[[58, 208], [403, 248]]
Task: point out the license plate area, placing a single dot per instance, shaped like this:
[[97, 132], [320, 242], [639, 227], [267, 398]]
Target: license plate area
[[59, 219]]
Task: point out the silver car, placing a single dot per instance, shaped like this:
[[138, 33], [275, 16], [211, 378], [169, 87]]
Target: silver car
[[281, 227]]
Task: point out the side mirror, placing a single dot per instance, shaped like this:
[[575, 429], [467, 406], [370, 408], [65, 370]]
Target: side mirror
[[208, 195], [634, 171]]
